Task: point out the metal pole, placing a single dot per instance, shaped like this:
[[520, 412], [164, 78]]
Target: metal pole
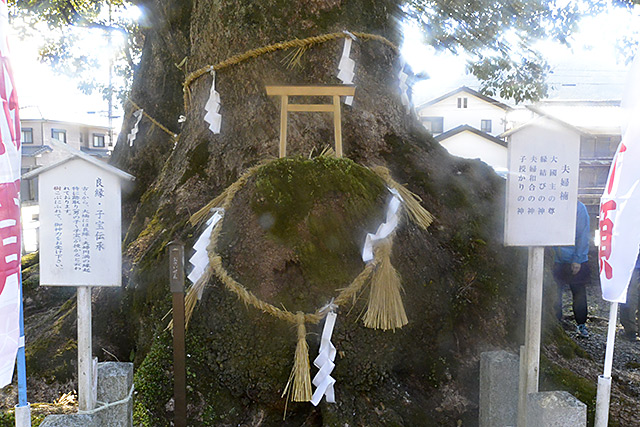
[[604, 381], [23, 410], [85, 360], [176, 282], [533, 326], [110, 93]]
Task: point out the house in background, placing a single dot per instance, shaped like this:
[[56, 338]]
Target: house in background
[[473, 126], [464, 106], [470, 143]]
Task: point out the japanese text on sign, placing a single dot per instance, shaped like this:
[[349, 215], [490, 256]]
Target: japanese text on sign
[[542, 183], [72, 211], [80, 239], [542, 186]]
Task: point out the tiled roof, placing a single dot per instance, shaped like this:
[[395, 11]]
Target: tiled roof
[[34, 150]]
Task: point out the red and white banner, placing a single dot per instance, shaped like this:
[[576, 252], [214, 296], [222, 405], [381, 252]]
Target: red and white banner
[[620, 203], [9, 209]]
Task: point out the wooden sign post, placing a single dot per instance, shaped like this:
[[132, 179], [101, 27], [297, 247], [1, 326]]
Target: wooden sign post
[[80, 240], [542, 196], [285, 107], [176, 283]]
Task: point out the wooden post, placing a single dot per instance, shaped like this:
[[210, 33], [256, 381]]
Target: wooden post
[[176, 282], [284, 117], [530, 372], [337, 125], [86, 401]]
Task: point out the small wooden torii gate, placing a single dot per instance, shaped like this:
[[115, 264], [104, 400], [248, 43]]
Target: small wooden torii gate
[[285, 107]]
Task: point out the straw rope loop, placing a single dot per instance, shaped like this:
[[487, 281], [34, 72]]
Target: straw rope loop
[[347, 295]]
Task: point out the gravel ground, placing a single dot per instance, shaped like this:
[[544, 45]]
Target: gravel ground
[[625, 399]]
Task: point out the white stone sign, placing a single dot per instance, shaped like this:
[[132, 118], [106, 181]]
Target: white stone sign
[[80, 240], [542, 185]]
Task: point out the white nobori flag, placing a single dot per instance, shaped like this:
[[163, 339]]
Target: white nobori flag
[[620, 203]]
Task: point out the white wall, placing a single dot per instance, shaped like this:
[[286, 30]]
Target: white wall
[[476, 111], [471, 146]]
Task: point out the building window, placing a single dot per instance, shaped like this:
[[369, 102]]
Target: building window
[[593, 177], [59, 134], [485, 126], [434, 124], [81, 138], [606, 146], [98, 140], [462, 102], [599, 147], [26, 135]]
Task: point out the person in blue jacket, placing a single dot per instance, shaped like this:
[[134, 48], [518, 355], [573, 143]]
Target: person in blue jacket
[[571, 268], [629, 310]]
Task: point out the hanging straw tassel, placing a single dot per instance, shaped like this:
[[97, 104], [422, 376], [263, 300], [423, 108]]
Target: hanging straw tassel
[[418, 214], [385, 310], [299, 384]]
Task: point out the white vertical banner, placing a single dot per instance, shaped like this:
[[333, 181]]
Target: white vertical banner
[[9, 210], [620, 203]]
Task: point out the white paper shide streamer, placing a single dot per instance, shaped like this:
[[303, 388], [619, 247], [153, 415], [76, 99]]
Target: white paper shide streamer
[[323, 380], [200, 259], [346, 66], [403, 77], [386, 228], [212, 108], [134, 131]]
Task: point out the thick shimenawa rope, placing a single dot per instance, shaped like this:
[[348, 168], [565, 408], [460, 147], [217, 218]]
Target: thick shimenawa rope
[[215, 266], [254, 53], [380, 314], [173, 135], [345, 295]]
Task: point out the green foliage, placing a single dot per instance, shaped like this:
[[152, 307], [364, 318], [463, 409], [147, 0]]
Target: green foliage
[[499, 37], [518, 80]]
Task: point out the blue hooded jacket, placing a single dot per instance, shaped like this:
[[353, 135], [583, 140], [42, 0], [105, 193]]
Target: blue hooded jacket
[[580, 252]]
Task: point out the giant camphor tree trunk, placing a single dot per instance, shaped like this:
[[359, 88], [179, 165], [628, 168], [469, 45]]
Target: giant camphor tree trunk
[[461, 290]]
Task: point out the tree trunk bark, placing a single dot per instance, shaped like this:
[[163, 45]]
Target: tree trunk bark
[[461, 289]]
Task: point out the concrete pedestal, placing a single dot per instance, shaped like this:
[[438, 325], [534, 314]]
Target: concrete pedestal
[[115, 403], [499, 371], [555, 409]]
